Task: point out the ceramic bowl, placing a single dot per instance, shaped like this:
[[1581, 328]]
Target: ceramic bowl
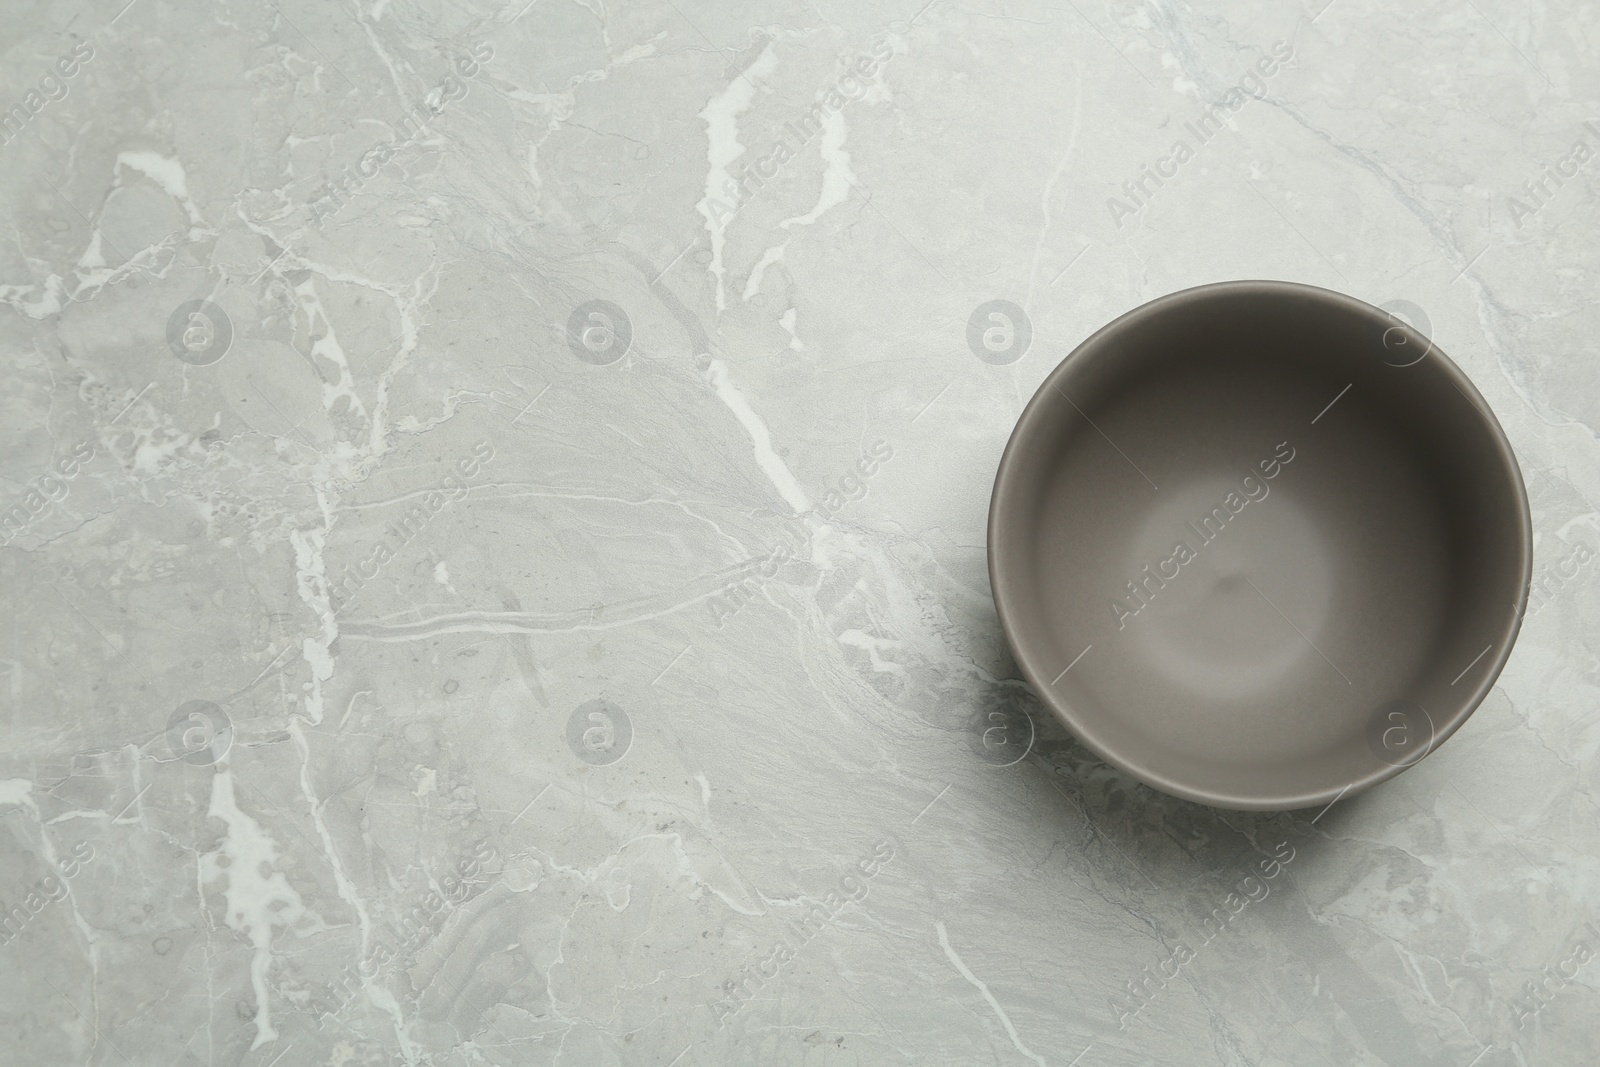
[[1259, 545]]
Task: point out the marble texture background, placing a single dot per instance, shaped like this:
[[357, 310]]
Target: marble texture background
[[394, 674]]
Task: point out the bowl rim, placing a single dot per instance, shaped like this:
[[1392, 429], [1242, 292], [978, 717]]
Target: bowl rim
[[1001, 511]]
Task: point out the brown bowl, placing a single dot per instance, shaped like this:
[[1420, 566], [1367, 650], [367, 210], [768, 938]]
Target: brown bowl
[[1259, 545]]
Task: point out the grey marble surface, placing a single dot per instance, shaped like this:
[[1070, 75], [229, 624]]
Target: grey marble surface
[[493, 531]]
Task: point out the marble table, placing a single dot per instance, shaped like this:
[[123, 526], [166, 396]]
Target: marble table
[[493, 531]]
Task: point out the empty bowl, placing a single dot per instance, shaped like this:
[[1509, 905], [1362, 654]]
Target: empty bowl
[[1259, 545]]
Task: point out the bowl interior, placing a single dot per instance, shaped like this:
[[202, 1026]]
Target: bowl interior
[[1258, 543]]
